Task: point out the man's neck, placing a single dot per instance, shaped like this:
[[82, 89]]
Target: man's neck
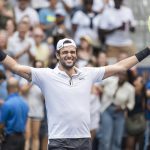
[[69, 72]]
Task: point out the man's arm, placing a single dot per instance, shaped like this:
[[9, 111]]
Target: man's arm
[[126, 64], [12, 65]]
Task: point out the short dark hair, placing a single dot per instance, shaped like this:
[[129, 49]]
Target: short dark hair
[[66, 42]]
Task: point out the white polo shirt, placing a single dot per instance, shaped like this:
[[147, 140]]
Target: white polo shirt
[[67, 99]]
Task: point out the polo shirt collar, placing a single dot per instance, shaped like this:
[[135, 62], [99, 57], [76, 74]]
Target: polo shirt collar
[[12, 95], [58, 71]]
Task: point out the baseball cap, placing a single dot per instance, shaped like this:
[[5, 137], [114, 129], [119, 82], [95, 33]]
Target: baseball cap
[[65, 42]]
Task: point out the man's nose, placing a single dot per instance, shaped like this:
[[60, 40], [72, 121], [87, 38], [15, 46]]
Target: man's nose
[[69, 54]]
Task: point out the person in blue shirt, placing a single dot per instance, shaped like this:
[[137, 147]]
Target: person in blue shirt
[[48, 18], [14, 113]]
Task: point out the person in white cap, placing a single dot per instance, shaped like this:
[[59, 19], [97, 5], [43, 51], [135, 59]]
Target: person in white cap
[[67, 93]]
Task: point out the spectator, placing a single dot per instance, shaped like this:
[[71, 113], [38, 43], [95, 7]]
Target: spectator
[[102, 59], [86, 26], [10, 27], [48, 17], [113, 105], [115, 25], [85, 51], [14, 115], [66, 6], [135, 138], [23, 9], [19, 44], [40, 48], [60, 28], [34, 99]]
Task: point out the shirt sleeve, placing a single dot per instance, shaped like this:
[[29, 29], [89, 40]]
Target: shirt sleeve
[[131, 99], [35, 72], [96, 73]]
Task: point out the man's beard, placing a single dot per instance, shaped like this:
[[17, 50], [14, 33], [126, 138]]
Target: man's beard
[[66, 66]]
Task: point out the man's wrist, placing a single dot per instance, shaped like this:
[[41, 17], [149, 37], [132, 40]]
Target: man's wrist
[[2, 55], [143, 54]]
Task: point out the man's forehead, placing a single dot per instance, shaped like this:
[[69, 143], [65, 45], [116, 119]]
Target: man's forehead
[[68, 48]]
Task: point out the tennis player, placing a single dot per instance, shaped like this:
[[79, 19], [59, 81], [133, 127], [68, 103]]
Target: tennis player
[[67, 93]]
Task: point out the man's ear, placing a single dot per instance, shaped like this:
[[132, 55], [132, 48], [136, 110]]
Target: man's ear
[[57, 55]]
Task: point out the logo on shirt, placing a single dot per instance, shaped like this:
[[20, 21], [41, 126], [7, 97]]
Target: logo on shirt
[[81, 78]]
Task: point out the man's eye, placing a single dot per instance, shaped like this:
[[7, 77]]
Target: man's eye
[[72, 52], [65, 52]]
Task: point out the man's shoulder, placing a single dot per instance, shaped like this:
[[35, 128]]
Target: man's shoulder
[[84, 69], [89, 70], [17, 99], [42, 69]]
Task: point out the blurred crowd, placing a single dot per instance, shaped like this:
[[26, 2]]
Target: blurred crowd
[[120, 105]]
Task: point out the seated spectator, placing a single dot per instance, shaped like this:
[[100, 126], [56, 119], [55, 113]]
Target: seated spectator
[[23, 9], [13, 119], [115, 25]]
